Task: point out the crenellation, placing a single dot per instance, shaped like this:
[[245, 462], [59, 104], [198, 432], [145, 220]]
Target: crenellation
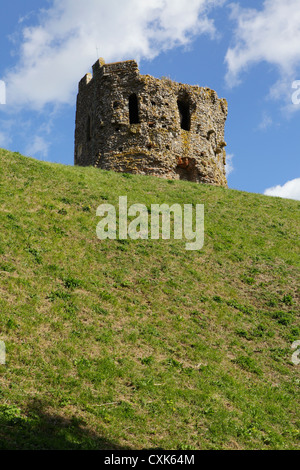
[[136, 123], [84, 81]]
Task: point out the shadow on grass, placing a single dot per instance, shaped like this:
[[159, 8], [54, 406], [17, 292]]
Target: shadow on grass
[[42, 430]]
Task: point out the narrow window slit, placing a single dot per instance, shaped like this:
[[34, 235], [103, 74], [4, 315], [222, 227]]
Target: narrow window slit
[[133, 109], [185, 115]]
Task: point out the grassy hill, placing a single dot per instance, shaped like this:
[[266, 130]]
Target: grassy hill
[[142, 344]]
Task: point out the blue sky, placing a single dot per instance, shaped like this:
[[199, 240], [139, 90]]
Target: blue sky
[[248, 51]]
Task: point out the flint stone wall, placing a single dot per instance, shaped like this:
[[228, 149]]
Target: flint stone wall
[[135, 123]]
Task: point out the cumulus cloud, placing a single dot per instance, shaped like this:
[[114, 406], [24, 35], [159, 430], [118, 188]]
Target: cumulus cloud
[[290, 190], [229, 164], [58, 51], [271, 35]]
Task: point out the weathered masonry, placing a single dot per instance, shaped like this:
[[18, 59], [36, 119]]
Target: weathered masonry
[[135, 123]]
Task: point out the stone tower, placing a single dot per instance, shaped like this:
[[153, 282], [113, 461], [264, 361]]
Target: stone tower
[[135, 123]]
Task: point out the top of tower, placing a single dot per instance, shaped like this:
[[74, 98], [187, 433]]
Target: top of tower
[[100, 69]]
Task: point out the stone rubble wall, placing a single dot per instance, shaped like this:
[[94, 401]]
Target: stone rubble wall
[[158, 144]]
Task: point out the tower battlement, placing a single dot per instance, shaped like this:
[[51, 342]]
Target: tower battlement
[[135, 123]]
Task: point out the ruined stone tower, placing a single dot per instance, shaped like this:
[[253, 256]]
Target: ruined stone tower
[[135, 123]]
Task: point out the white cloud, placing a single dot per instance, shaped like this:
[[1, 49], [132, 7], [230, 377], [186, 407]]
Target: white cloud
[[5, 133], [290, 190], [266, 122], [57, 52], [271, 35], [39, 147], [229, 164], [4, 139]]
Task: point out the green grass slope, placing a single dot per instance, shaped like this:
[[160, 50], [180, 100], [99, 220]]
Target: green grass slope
[[141, 344]]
